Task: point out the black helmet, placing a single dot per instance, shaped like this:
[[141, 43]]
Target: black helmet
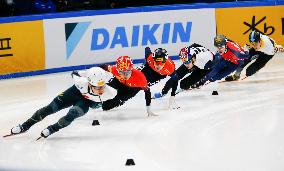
[[254, 36], [220, 40], [160, 55]]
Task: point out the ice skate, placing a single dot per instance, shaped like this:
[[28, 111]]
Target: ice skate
[[44, 133], [19, 129], [233, 77]]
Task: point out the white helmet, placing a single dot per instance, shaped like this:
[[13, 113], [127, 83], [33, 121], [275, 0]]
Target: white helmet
[[96, 76]]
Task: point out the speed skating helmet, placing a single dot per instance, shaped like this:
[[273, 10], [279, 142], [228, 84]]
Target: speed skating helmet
[[160, 55], [124, 63], [185, 55], [254, 36], [96, 77], [220, 40]]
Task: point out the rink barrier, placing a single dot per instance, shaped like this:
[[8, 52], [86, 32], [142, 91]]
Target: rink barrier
[[118, 11], [64, 69], [102, 38], [267, 19], [140, 9]]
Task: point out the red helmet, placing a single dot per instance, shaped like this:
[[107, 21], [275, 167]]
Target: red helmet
[[185, 55], [124, 63]]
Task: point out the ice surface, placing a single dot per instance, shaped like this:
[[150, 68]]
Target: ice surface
[[241, 129]]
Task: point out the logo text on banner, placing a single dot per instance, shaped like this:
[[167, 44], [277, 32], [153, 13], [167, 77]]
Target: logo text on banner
[[4, 46], [102, 38], [237, 23], [268, 30]]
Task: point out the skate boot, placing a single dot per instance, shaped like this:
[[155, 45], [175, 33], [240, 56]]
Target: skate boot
[[46, 132], [18, 129], [233, 77]]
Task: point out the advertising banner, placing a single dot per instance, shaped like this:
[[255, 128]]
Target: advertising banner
[[237, 23], [102, 38], [21, 47]]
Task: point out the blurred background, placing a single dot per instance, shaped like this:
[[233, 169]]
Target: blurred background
[[28, 7]]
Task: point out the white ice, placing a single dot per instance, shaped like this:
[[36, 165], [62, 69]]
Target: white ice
[[241, 129]]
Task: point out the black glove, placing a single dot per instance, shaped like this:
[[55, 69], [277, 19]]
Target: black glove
[[75, 73], [198, 84], [112, 103], [104, 67]]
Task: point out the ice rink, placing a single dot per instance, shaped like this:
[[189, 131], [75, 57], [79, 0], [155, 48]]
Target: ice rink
[[241, 129]]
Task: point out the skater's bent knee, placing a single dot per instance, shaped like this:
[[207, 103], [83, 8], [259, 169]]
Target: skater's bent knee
[[74, 112]]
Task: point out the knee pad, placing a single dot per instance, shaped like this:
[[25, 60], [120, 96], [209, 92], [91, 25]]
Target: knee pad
[[53, 106], [45, 111], [74, 113]]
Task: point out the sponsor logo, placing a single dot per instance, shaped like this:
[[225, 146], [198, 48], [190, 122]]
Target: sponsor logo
[[141, 35], [268, 30], [102, 39], [73, 35], [5, 47]]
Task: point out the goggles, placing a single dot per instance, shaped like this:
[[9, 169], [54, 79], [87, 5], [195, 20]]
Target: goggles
[[159, 63], [98, 87], [188, 61], [125, 73], [254, 43], [219, 47]]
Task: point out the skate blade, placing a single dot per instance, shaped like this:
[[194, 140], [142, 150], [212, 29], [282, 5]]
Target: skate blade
[[174, 108], [8, 135], [224, 81], [38, 138]]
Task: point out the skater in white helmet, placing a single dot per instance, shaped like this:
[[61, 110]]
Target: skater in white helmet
[[89, 91]]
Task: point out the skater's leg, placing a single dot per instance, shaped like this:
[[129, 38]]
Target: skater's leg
[[64, 100], [193, 78], [259, 63], [78, 110]]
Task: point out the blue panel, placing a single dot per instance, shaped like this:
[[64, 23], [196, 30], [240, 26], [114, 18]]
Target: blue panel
[[64, 69], [72, 44], [139, 9]]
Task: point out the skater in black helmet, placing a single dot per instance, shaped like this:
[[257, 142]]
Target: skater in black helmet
[[262, 50]]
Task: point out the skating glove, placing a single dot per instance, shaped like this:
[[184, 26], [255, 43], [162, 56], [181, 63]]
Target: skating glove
[[172, 103], [104, 67], [197, 85], [149, 111], [157, 95]]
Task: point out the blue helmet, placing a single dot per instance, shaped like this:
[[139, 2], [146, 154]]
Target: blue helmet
[[254, 36]]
